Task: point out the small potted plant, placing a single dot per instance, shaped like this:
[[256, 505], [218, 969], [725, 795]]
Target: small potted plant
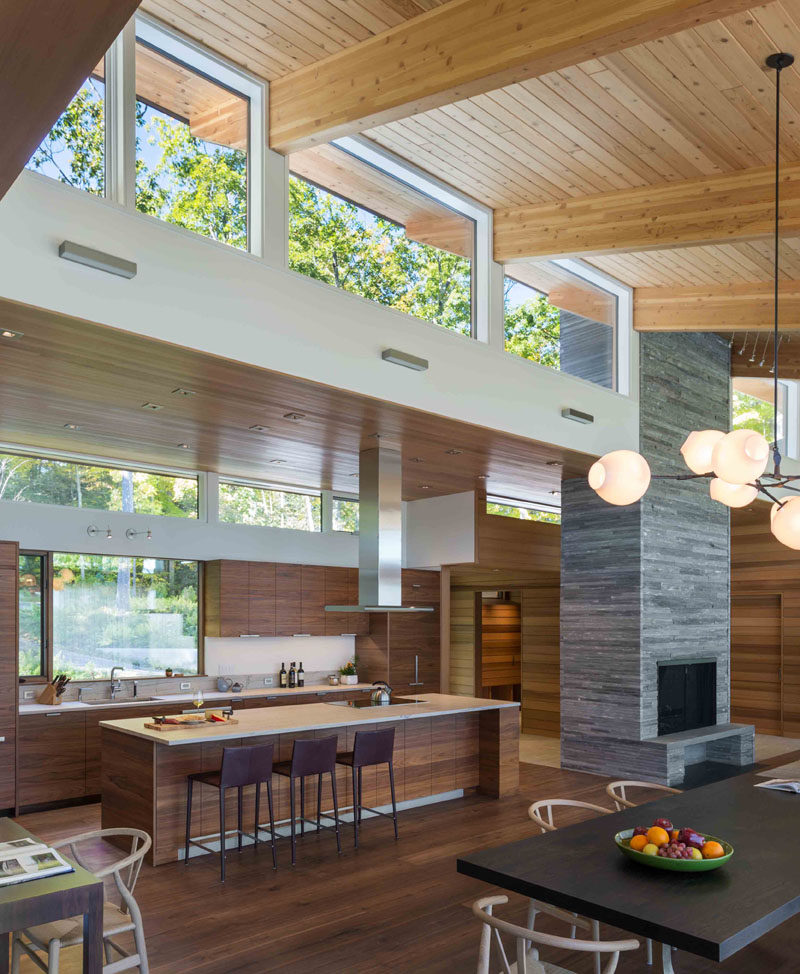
[[348, 673], [168, 671]]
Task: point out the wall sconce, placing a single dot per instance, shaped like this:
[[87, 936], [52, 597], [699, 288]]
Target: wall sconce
[[130, 534], [93, 532]]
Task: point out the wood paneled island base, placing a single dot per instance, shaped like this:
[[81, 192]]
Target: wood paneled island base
[[443, 745]]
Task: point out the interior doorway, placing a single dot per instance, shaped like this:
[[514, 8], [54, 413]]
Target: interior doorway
[[498, 645]]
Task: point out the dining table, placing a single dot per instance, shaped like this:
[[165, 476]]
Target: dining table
[[49, 898], [711, 914]]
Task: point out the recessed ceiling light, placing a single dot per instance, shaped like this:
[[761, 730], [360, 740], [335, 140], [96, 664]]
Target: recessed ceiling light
[[553, 463], [375, 436], [554, 492], [277, 461], [259, 429], [294, 416], [454, 452], [483, 476], [8, 333], [184, 446], [424, 486], [71, 426], [417, 459], [353, 474], [151, 405], [183, 392]]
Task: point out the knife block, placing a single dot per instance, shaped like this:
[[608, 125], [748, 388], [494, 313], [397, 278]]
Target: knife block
[[48, 696]]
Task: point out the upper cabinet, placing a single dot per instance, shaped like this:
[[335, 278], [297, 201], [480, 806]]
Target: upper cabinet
[[240, 598]]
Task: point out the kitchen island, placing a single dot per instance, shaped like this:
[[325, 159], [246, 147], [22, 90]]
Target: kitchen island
[[444, 746]]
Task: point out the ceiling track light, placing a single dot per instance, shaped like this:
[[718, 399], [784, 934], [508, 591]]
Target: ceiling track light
[[71, 426], [734, 463], [259, 429], [294, 416], [184, 446], [185, 393], [8, 333], [130, 534]]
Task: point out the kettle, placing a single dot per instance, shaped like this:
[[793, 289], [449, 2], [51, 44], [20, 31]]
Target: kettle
[[382, 694]]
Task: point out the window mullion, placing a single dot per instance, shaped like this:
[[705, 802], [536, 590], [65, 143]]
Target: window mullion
[[121, 118]]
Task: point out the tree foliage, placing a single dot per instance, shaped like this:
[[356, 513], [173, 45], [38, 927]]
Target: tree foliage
[[243, 504]]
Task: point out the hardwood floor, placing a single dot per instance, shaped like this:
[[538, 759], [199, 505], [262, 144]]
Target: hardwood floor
[[387, 907]]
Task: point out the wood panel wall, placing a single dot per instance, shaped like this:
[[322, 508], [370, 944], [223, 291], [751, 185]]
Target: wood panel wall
[[765, 626], [462, 641], [541, 660], [9, 567]]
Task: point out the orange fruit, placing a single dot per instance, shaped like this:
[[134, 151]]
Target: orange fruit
[[712, 850], [657, 835], [638, 842], [674, 834]]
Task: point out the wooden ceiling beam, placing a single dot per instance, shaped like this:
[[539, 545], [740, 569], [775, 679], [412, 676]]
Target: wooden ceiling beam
[[47, 50], [726, 308], [725, 208], [461, 49]]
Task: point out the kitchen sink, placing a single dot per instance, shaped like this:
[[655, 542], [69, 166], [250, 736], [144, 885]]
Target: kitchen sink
[[117, 700]]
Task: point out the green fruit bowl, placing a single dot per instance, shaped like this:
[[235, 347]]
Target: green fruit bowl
[[623, 839]]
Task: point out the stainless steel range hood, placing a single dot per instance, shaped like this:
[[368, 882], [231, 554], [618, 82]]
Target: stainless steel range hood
[[380, 535]]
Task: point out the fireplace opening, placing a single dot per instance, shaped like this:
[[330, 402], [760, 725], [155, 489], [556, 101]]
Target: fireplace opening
[[687, 695]]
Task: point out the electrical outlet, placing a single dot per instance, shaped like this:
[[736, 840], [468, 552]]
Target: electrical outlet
[[186, 686], [269, 681], [28, 694]]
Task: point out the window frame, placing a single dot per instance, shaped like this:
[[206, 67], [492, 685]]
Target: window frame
[[47, 617], [47, 611], [526, 505], [340, 496], [62, 456]]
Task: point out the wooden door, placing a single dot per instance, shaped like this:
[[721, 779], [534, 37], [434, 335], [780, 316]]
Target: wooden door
[[262, 598], [501, 649], [8, 674], [288, 600], [756, 659]]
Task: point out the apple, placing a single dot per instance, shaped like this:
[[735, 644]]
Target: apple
[[664, 823], [650, 849]]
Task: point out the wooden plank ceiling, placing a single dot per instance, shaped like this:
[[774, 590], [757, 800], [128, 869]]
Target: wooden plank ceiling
[[98, 379]]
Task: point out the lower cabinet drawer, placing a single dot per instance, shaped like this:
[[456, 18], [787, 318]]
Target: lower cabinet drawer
[[51, 764]]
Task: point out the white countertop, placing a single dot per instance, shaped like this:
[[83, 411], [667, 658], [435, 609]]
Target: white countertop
[[306, 716], [187, 697]]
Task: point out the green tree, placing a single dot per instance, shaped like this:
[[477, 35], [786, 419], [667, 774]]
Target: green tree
[[522, 513], [750, 412], [533, 329]]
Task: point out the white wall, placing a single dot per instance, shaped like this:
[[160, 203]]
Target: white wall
[[195, 293], [440, 531], [265, 654]]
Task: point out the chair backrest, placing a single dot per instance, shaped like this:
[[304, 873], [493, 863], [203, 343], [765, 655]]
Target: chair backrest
[[617, 791], [246, 765], [542, 811], [523, 936], [310, 756], [125, 871], [373, 747]]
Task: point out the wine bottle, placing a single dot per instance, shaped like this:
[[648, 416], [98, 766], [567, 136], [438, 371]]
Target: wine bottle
[[301, 676], [282, 677], [292, 676]]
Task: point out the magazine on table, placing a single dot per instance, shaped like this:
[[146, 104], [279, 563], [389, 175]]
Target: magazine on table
[[781, 784], [25, 858]]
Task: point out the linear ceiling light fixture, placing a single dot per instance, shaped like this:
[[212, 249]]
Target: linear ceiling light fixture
[[735, 462], [396, 357], [97, 259]]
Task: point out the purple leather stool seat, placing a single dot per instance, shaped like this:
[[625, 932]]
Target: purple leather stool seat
[[241, 766], [369, 748], [311, 757]]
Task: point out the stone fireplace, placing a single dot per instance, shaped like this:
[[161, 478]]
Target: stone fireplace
[[645, 589]]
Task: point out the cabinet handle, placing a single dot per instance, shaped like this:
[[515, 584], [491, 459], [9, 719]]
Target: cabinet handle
[[322, 693], [296, 634], [53, 713], [417, 682], [249, 635], [348, 633]]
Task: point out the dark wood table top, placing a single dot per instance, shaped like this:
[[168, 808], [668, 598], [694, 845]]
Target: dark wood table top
[[12, 897], [711, 914]]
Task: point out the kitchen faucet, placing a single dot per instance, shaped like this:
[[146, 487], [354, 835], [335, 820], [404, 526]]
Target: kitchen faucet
[[116, 686]]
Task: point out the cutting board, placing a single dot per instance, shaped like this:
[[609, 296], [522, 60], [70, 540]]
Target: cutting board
[[185, 724]]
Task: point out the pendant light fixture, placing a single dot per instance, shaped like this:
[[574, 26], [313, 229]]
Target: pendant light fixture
[[734, 463]]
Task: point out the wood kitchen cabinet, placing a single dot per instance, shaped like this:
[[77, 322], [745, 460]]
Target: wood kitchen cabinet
[[9, 561], [52, 757], [312, 600], [288, 600], [239, 598]]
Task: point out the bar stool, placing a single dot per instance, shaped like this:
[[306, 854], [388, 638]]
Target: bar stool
[[311, 757], [369, 748], [240, 766]]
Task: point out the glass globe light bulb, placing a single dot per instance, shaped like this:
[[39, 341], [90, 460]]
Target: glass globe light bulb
[[732, 495], [697, 449], [620, 477], [740, 456], [785, 524]]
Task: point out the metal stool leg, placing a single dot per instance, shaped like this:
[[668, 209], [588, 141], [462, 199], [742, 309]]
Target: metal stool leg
[[336, 812], [291, 815], [319, 801], [239, 816], [258, 802], [302, 806], [359, 795], [355, 806], [272, 826], [222, 834], [394, 803], [190, 783]]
